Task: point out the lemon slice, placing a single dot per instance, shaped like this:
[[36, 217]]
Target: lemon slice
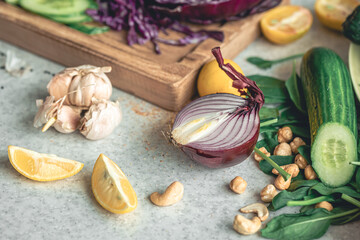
[[212, 79], [111, 188], [41, 166], [332, 13], [286, 24]]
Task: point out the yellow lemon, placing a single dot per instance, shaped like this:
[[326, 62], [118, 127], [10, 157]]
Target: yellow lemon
[[111, 188], [41, 166], [286, 24], [212, 79], [332, 13]]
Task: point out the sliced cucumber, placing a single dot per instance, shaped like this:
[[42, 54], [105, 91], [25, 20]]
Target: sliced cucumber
[[55, 7], [333, 149], [69, 19]]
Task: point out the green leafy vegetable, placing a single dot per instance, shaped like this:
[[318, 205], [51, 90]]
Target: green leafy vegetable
[[280, 160], [310, 224], [302, 183], [357, 179], [300, 131], [305, 152], [268, 113], [282, 198], [324, 190], [273, 89], [265, 64], [350, 200], [269, 142], [293, 85]]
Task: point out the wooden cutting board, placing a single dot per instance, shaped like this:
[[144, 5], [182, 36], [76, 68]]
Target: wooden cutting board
[[167, 80]]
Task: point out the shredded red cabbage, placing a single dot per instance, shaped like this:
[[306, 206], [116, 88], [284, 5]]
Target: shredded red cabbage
[[145, 19]]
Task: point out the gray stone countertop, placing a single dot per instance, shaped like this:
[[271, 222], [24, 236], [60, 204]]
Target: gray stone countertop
[[67, 209]]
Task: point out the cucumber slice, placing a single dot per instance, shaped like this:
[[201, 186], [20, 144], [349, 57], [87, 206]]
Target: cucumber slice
[[332, 151], [69, 19], [55, 7], [14, 2]]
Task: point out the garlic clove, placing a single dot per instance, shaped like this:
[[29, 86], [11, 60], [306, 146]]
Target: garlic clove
[[81, 83], [101, 119], [44, 107], [58, 86], [68, 119]]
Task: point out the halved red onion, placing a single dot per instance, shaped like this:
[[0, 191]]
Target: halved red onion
[[221, 130]]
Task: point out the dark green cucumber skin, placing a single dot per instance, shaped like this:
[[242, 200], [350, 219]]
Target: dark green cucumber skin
[[328, 90], [351, 27]]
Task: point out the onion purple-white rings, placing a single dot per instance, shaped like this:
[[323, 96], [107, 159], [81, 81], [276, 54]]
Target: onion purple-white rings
[[221, 130], [229, 142]]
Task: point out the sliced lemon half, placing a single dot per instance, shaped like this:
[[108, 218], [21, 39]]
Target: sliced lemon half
[[111, 188], [332, 13], [41, 166], [286, 24]]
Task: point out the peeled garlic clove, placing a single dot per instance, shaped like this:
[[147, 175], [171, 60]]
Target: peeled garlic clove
[[68, 119], [101, 119], [44, 108], [81, 83]]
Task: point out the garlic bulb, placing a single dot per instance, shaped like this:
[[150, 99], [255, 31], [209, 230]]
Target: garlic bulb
[[64, 118], [101, 119], [81, 84]]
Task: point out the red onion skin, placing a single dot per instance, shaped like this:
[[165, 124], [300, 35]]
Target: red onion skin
[[222, 158]]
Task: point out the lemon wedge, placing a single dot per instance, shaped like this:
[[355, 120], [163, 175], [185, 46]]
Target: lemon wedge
[[41, 166], [111, 188]]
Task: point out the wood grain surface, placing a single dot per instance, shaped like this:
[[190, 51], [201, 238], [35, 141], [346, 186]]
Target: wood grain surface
[[167, 80]]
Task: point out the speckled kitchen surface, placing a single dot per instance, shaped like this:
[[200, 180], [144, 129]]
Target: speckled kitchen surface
[[67, 209]]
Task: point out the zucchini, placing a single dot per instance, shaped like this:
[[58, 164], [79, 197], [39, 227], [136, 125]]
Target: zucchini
[[351, 26], [332, 115]]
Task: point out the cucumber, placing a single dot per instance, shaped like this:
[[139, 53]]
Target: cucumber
[[69, 19], [332, 115], [55, 7]]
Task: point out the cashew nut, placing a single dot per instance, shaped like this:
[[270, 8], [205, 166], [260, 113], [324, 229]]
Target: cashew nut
[[258, 158], [324, 204], [301, 161], [258, 208], [292, 169], [297, 142], [246, 226], [310, 173], [172, 195], [268, 193], [283, 149], [285, 135], [238, 185]]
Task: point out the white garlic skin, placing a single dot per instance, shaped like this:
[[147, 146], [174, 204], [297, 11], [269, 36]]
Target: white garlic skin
[[68, 119], [81, 83], [101, 119]]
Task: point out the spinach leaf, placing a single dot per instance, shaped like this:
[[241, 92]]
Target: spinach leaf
[[269, 142], [268, 129], [268, 113], [357, 179], [311, 200], [305, 152], [310, 224], [306, 208], [282, 198], [280, 160], [324, 190], [273, 89], [302, 183], [294, 87], [265, 64], [300, 131], [344, 219], [291, 116]]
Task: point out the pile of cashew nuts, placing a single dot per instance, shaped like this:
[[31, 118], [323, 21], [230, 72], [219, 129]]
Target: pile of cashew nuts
[[287, 146]]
